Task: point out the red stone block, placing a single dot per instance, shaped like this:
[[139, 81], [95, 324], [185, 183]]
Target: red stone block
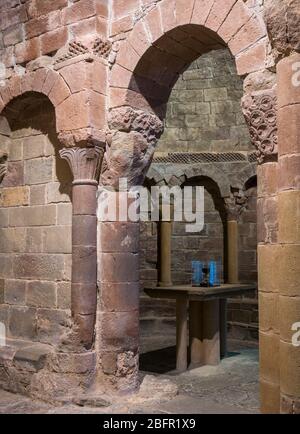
[[289, 170], [153, 24], [288, 130], [288, 78], [50, 80], [41, 25], [250, 33], [120, 77], [127, 265], [39, 80], [53, 41], [253, 59], [59, 92], [184, 10], [119, 297], [79, 11], [167, 11], [84, 230], [218, 13], [127, 56], [12, 16], [36, 8], [121, 25], [201, 11], [235, 20], [102, 8], [84, 264], [121, 8], [28, 50], [84, 298], [84, 200], [119, 237], [119, 330], [139, 38]]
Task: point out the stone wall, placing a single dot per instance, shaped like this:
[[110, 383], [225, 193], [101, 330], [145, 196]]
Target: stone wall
[[204, 116], [37, 28], [35, 222], [204, 109]]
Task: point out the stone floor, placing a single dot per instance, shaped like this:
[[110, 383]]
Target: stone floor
[[231, 387]]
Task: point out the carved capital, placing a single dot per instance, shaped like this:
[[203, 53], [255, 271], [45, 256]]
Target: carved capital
[[131, 142], [236, 203], [3, 166], [260, 111], [85, 163]]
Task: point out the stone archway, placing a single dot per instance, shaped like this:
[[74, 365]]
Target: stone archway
[[160, 46]]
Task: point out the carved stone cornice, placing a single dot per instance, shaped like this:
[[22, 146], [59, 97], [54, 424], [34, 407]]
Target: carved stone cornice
[[235, 204], [3, 166], [94, 48], [260, 111], [85, 163]]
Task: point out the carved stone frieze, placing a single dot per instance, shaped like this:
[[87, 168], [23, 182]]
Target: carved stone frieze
[[260, 111]]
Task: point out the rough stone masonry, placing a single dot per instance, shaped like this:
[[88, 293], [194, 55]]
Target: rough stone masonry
[[85, 91]]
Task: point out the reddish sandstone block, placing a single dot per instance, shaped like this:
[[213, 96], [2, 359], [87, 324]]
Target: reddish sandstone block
[[119, 297], [50, 80], [121, 25], [119, 330], [253, 59], [201, 11], [27, 50], [12, 16], [84, 264], [119, 237], [84, 230], [54, 40], [289, 169], [84, 298], [127, 56], [167, 12], [250, 33], [288, 73], [102, 8], [36, 8], [288, 130], [120, 77], [218, 13], [153, 24], [90, 27], [85, 76], [39, 79], [121, 8], [79, 11], [184, 10], [235, 20], [59, 92], [84, 200], [41, 25], [139, 38], [13, 35], [125, 263]]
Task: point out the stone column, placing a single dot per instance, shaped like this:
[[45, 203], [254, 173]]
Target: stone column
[[118, 318], [260, 110], [85, 164], [288, 259], [164, 251]]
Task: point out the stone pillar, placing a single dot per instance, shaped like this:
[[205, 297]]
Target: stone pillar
[[289, 229], [164, 252], [232, 251], [260, 110], [118, 318], [85, 164]]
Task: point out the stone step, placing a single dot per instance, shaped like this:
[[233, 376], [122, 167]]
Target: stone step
[[19, 361]]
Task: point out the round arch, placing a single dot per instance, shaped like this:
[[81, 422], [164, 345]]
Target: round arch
[[173, 34]]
